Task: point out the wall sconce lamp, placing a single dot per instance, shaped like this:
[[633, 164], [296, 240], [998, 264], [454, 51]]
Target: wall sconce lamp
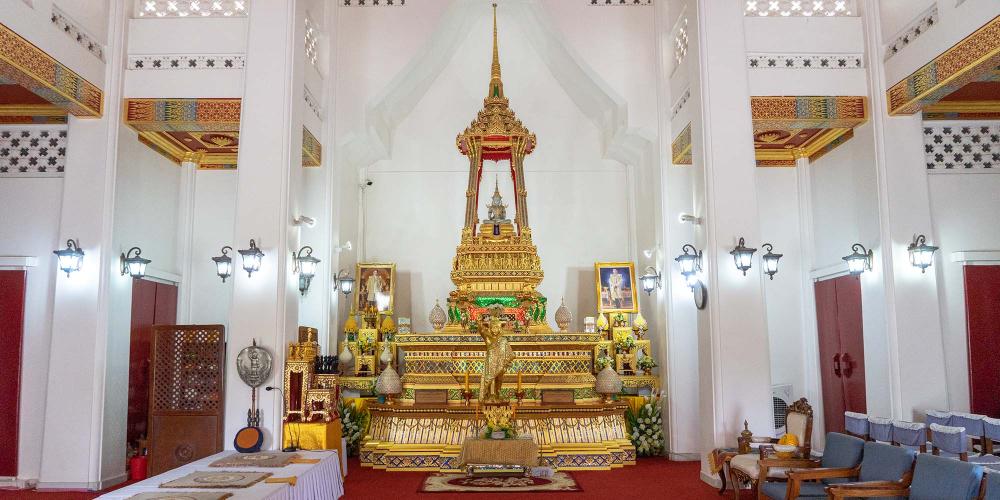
[[690, 262], [743, 255], [70, 257], [224, 263], [859, 261], [133, 264], [921, 254], [770, 260], [651, 280], [344, 282], [305, 265], [251, 258]]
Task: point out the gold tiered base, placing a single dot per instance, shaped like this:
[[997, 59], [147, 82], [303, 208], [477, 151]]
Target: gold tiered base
[[569, 437]]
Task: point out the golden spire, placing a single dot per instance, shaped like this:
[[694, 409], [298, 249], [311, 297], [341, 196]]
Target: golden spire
[[496, 85]]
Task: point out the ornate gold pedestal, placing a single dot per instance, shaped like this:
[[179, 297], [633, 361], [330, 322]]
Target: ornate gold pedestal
[[569, 437]]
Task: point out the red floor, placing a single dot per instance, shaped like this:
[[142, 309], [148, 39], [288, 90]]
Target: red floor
[[649, 478]]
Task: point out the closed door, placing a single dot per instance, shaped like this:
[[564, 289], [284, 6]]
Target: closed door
[[982, 311], [841, 349], [12, 288]]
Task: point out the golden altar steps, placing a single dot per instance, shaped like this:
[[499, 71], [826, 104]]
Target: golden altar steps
[[429, 437]]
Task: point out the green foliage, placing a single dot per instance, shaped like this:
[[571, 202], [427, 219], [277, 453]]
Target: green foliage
[[646, 363], [604, 361], [354, 425], [507, 429], [647, 427]]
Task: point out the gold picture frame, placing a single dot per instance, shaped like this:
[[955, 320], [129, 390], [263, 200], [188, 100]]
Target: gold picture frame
[[626, 298], [365, 274]]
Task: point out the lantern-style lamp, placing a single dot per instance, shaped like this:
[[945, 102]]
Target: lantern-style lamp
[[921, 254], [132, 263], [251, 258], [743, 255], [651, 280], [859, 261], [70, 257], [690, 262], [224, 263], [305, 265], [770, 260], [344, 282]]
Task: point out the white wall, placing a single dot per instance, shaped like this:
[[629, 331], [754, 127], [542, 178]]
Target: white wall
[[146, 192], [31, 208], [215, 212], [777, 205], [845, 211], [964, 208]]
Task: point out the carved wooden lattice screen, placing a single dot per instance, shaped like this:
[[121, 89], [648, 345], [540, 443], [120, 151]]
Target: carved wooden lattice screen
[[186, 394]]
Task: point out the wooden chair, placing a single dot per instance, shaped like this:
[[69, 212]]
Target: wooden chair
[[883, 466], [912, 434], [747, 469], [934, 478], [843, 452], [856, 424]]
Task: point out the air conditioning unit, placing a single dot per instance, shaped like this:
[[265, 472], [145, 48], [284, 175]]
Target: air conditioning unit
[[781, 398]]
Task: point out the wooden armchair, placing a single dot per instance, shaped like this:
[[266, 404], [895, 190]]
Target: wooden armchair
[[750, 469], [933, 477], [808, 478]]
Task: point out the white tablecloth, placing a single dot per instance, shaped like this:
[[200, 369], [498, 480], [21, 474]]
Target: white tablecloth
[[318, 481]]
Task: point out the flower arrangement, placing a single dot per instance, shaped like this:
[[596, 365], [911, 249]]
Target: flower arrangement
[[354, 424], [366, 346], [499, 419], [604, 361], [647, 427], [646, 364], [624, 344]]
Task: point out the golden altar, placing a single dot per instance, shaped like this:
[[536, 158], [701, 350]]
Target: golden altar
[[573, 436], [494, 323]]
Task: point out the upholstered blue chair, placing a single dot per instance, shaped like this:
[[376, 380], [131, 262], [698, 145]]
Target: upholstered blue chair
[[991, 426], [939, 417], [839, 463], [912, 435], [991, 483], [949, 441], [975, 428], [880, 429], [856, 424], [934, 478]]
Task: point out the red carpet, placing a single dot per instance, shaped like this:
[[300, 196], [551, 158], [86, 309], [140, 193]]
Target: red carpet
[[649, 478]]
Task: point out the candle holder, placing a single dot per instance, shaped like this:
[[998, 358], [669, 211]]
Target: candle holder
[[467, 396]]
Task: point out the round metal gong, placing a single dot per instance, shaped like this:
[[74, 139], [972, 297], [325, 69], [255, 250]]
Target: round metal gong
[[254, 365]]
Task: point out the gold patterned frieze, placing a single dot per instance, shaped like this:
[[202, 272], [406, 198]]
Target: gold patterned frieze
[[971, 59], [680, 149], [312, 149], [23, 63]]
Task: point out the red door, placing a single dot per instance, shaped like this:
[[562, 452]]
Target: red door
[[12, 287], [841, 349], [982, 311], [829, 355], [153, 303]]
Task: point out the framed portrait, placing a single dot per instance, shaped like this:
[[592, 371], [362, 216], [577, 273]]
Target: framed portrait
[[616, 287], [376, 286]]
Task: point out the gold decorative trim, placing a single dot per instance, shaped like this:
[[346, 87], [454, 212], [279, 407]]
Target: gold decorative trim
[[23, 63], [787, 116], [968, 60], [680, 149], [154, 119], [312, 150]]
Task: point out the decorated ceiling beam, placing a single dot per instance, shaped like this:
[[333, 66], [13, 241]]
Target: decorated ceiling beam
[[790, 127], [972, 59], [680, 149], [312, 150], [24, 64], [205, 131]]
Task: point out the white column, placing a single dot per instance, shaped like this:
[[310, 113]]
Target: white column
[[734, 360], [185, 235], [913, 319], [74, 410], [810, 333], [265, 305]]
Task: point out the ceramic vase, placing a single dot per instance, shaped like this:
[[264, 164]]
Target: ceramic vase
[[346, 357], [386, 356]]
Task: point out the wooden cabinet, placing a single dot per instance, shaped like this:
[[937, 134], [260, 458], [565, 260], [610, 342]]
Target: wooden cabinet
[[153, 303], [841, 349]]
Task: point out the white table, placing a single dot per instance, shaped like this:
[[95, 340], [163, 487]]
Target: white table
[[319, 481]]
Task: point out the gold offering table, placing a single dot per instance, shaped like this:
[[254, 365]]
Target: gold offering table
[[429, 437]]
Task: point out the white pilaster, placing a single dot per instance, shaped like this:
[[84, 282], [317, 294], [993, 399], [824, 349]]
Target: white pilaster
[[265, 305], [810, 333], [913, 319], [734, 358], [74, 410], [185, 237]]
